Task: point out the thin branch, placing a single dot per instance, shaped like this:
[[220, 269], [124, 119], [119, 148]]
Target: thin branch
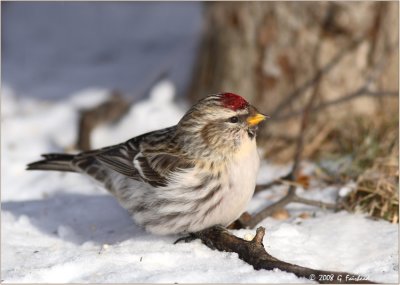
[[324, 205], [281, 180], [361, 92], [290, 197], [111, 110], [257, 218], [254, 253], [265, 186], [305, 120], [317, 77], [297, 156]]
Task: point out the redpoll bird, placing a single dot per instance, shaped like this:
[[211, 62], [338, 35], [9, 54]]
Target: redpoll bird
[[182, 179]]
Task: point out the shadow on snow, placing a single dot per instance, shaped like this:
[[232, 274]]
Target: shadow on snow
[[78, 218]]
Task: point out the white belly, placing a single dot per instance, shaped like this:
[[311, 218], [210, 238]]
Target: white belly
[[242, 173], [169, 209]]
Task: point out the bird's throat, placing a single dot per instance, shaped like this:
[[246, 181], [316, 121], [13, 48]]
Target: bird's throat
[[251, 132]]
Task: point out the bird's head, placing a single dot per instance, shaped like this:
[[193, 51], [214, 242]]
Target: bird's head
[[219, 123]]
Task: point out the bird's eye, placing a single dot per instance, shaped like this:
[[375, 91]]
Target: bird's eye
[[234, 119]]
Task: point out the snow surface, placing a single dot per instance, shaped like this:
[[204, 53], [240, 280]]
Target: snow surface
[[59, 227]]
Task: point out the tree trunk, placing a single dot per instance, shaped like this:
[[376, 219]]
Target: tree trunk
[[273, 53]]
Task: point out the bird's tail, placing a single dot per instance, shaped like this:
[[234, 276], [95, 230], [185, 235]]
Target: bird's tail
[[53, 161]]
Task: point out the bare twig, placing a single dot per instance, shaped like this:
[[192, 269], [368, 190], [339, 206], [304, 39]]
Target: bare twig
[[317, 77], [324, 205], [265, 186], [288, 198], [281, 180], [109, 111], [284, 181], [291, 195], [361, 92], [254, 253]]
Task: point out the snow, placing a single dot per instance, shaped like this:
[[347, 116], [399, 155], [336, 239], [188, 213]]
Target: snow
[[159, 111], [347, 189], [59, 227]]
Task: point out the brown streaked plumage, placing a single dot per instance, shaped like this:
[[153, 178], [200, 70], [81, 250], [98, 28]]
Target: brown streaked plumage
[[184, 178]]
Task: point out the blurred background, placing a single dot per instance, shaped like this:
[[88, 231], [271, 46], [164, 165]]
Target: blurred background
[[277, 55], [51, 50]]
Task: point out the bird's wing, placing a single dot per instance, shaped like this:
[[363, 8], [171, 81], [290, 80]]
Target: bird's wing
[[144, 158]]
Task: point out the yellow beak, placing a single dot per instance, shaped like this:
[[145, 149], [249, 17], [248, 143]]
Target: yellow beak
[[256, 119]]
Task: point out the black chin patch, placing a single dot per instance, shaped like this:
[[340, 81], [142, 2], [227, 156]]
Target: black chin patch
[[251, 133]]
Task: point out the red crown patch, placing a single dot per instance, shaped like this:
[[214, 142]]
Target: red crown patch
[[233, 101]]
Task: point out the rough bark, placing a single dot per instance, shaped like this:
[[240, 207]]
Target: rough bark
[[264, 51]]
